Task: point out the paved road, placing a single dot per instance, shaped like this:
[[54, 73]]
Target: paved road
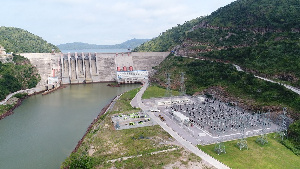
[[296, 90], [28, 91], [137, 102]]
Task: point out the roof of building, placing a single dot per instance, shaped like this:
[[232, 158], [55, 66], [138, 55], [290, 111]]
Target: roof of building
[[134, 71], [180, 115]]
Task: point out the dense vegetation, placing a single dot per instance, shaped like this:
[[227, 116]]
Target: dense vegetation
[[250, 16], [17, 40], [270, 14], [133, 43], [262, 36], [17, 75], [276, 59], [166, 40]]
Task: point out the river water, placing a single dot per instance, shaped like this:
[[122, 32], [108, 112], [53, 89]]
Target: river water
[[44, 130]]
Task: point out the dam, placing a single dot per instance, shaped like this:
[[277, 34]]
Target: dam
[[77, 68]]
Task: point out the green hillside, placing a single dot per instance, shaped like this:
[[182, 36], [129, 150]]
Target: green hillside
[[16, 75], [262, 36], [21, 41], [262, 14], [169, 39]]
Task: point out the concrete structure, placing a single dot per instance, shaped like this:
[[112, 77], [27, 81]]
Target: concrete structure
[[72, 68], [180, 117], [174, 100], [133, 120], [132, 76], [53, 80]]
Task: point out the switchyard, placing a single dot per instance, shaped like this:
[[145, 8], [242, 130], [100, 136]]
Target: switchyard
[[203, 120]]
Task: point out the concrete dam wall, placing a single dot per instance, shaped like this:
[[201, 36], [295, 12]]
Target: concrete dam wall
[[72, 68]]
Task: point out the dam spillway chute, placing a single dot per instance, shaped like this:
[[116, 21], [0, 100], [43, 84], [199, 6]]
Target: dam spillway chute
[[72, 68], [65, 69], [88, 78], [80, 70], [73, 65]]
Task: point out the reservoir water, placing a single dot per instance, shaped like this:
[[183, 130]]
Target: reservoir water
[[44, 130], [96, 50]]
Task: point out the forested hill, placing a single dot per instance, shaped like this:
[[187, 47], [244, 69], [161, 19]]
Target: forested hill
[[269, 14], [21, 41], [133, 43], [15, 74], [262, 36]]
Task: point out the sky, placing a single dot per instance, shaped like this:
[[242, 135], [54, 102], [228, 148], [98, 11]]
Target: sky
[[102, 22]]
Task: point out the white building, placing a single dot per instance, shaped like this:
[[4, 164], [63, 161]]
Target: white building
[[132, 76], [53, 80], [180, 117], [174, 100]]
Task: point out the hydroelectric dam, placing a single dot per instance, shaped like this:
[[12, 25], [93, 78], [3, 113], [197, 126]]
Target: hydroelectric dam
[[76, 68]]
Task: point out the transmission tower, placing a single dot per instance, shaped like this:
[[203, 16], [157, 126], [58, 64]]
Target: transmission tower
[[283, 126], [182, 85], [219, 146], [242, 143], [168, 83], [262, 139]]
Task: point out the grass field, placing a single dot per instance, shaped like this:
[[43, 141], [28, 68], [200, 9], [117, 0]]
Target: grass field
[[271, 156], [155, 92]]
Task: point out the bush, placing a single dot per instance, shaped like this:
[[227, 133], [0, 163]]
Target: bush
[[288, 144], [20, 95], [76, 161]]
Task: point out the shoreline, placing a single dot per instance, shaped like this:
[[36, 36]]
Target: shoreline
[[102, 112], [19, 102]]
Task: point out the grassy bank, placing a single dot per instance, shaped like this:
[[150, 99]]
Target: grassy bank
[[103, 143], [272, 155], [11, 104], [5, 108]]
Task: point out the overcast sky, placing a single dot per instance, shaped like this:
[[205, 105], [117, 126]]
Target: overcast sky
[[102, 22]]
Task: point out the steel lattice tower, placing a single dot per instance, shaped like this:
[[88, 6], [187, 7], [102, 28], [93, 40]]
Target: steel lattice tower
[[182, 85], [283, 125], [168, 83]]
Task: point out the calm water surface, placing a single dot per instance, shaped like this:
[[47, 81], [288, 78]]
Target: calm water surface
[[44, 130], [96, 50]]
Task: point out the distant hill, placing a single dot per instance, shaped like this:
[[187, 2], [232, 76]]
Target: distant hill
[[133, 43], [21, 41], [262, 36]]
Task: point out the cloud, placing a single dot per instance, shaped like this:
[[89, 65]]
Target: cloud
[[102, 21]]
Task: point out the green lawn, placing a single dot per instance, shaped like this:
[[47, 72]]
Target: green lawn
[[155, 91], [273, 155]]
